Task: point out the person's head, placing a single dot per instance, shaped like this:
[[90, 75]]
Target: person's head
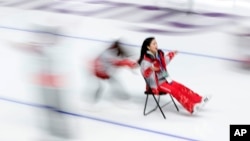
[[120, 51], [149, 44]]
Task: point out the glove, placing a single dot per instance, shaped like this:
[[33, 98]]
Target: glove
[[172, 54], [124, 62], [132, 64], [176, 51]]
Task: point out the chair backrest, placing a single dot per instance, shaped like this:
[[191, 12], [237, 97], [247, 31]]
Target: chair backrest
[[148, 89]]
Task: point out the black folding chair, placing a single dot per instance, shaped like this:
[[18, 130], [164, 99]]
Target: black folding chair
[[157, 101]]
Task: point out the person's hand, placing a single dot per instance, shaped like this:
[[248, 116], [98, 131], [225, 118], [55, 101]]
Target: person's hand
[[171, 54], [133, 64], [175, 52]]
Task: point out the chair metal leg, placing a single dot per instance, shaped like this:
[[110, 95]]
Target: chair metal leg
[[145, 107], [157, 106], [146, 102], [174, 103], [157, 102]]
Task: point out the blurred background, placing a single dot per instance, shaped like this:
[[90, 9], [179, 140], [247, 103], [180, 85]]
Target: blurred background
[[50, 51]]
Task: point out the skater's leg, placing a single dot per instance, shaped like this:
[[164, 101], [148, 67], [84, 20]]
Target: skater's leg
[[182, 97], [56, 123], [98, 91], [196, 98], [118, 89]]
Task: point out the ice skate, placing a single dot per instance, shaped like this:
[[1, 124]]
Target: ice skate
[[205, 100], [196, 108]]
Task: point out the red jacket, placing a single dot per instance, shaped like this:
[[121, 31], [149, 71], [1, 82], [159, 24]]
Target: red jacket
[[104, 64], [154, 78]]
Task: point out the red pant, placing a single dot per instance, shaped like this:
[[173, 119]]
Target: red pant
[[186, 97]]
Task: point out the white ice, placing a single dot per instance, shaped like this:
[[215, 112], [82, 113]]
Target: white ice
[[112, 119]]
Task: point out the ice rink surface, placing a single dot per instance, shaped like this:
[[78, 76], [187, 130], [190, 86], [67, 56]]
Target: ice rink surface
[[208, 62]]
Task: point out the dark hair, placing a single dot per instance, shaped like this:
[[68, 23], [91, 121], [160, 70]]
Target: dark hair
[[117, 46], [144, 48]]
